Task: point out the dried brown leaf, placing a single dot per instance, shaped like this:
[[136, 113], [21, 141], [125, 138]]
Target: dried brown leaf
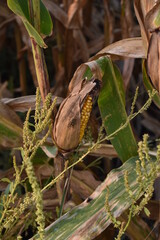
[[4, 92], [153, 61], [42, 172], [108, 24], [105, 150], [126, 48], [96, 45], [69, 109], [81, 41], [127, 22], [83, 183], [57, 12], [32, 67], [151, 123], [79, 73], [69, 52], [8, 114], [73, 14], [141, 10], [148, 5], [150, 19], [68, 117], [22, 104], [127, 70], [138, 228]]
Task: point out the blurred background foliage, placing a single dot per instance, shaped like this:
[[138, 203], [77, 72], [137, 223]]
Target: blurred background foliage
[[79, 32]]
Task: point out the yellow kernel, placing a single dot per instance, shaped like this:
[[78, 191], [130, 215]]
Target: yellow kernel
[[85, 114]]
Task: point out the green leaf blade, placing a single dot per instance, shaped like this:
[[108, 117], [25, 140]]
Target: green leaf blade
[[112, 108], [46, 24], [21, 8], [90, 218]]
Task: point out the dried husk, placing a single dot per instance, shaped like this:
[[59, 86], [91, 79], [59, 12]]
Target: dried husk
[[152, 21], [152, 24], [66, 130], [153, 61]]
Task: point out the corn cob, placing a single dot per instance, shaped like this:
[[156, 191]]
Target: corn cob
[[85, 114]]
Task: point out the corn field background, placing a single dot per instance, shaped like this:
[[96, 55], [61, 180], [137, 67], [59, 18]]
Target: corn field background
[[79, 91]]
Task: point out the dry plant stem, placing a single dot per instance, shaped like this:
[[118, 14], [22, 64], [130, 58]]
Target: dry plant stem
[[21, 61], [59, 167], [38, 55], [69, 53], [108, 24], [66, 191], [41, 69], [71, 166]]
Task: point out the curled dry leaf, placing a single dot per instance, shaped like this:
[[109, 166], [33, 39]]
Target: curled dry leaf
[[152, 20], [142, 7], [79, 74], [67, 125], [22, 104], [126, 48], [74, 16], [153, 61]]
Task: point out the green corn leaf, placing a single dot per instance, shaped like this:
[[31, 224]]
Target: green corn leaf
[[34, 34], [90, 218], [112, 108], [111, 103], [46, 24], [20, 8]]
